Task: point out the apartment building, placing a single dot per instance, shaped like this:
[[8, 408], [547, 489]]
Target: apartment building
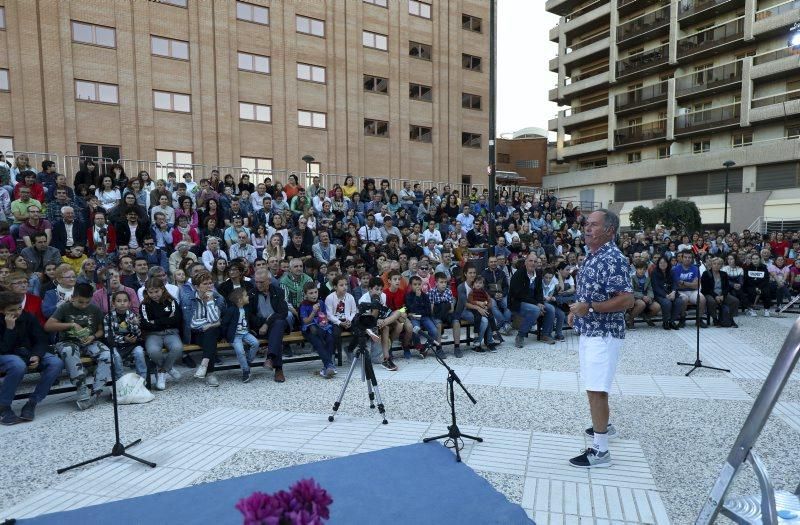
[[662, 92], [384, 88]]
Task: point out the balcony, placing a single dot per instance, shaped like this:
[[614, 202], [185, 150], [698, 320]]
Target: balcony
[[710, 39], [641, 133], [562, 7], [629, 6], [775, 64], [587, 51], [583, 83], [641, 98], [584, 114], [776, 19], [697, 10], [709, 80], [708, 119], [645, 27], [775, 107], [586, 144], [587, 19], [643, 62]]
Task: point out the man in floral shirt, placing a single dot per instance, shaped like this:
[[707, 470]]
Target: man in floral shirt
[[603, 295]]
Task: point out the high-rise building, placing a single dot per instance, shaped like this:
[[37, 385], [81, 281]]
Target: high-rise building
[[383, 88], [662, 92]]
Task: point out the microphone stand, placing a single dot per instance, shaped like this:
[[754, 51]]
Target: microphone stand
[[697, 362], [454, 435], [118, 449]]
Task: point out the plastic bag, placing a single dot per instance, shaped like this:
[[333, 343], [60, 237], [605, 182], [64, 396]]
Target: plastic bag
[[131, 390]]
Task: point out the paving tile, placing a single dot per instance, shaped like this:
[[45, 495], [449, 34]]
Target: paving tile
[[788, 412]]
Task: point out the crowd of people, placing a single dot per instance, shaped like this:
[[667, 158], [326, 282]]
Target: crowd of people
[[179, 262]]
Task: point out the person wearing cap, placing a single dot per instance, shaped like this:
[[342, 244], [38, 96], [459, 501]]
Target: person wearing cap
[[181, 252]]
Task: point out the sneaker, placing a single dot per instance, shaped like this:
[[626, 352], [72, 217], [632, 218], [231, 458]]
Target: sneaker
[[649, 321], [161, 381], [766, 312], [611, 431], [437, 350], [245, 376], [752, 313], [28, 411], [8, 417], [592, 458], [201, 371], [406, 354], [778, 314], [478, 349], [322, 373], [329, 373], [84, 404], [560, 338], [174, 373], [498, 338], [507, 329], [83, 392], [458, 352], [519, 341], [682, 322], [389, 365], [211, 380], [548, 340]]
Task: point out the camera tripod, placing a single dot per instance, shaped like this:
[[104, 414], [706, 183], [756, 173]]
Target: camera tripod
[[362, 357]]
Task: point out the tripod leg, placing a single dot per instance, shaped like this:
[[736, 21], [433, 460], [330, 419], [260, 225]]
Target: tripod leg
[[140, 460], [473, 438], [83, 463], [338, 402], [372, 383]]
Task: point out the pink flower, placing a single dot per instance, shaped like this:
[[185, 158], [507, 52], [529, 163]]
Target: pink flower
[[306, 504]]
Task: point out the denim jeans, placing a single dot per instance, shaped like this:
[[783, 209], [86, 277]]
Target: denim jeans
[[71, 354], [560, 316], [481, 324], [322, 342], [156, 342], [671, 310], [530, 313], [139, 363], [238, 344], [426, 324], [502, 314], [15, 367]]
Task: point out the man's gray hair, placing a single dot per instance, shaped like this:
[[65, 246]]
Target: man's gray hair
[[611, 219], [64, 209]]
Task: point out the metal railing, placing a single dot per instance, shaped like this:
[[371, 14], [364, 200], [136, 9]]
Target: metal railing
[[257, 176], [74, 163], [603, 135], [640, 132], [643, 24], [644, 60], [583, 10], [709, 78], [132, 167], [35, 159], [777, 9], [179, 169], [776, 99], [583, 43], [575, 110], [708, 118], [770, 56], [589, 73], [642, 96], [689, 9], [711, 38]]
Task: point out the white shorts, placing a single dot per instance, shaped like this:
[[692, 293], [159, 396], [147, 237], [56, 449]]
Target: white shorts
[[598, 359], [690, 296]]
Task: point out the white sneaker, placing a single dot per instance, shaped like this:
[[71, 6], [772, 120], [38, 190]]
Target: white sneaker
[[201, 371], [211, 379], [161, 381], [752, 313], [766, 312], [174, 373]]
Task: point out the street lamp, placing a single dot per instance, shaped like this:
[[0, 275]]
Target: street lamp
[[308, 159], [728, 164], [492, 114]]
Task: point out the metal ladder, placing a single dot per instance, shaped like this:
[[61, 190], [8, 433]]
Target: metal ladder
[[770, 507]]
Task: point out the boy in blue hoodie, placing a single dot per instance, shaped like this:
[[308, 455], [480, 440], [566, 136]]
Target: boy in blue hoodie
[[236, 330]]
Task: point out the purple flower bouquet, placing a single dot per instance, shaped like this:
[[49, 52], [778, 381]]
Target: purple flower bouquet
[[306, 503]]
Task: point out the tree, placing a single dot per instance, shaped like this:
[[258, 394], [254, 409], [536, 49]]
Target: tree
[[642, 217], [678, 214]]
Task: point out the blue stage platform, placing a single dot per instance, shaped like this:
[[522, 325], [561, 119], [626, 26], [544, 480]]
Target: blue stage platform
[[415, 484]]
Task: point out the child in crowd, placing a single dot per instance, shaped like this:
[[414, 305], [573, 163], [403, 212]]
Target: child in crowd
[[328, 287], [341, 308], [550, 291], [74, 257], [179, 278], [161, 323], [442, 306], [396, 300], [390, 323], [479, 297], [317, 328], [362, 286], [79, 324], [127, 331], [236, 330], [419, 313]]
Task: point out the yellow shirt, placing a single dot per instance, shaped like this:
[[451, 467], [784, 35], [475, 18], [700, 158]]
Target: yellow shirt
[[74, 263]]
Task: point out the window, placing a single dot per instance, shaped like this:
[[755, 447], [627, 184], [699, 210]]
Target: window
[[471, 23], [259, 112], [375, 40], [376, 84], [252, 13], [177, 161], [420, 134], [708, 183], [701, 146], [311, 73], [470, 140], [178, 3], [593, 163], [166, 47], [382, 3], [311, 119], [96, 92], [503, 158], [4, 84], [310, 26], [470, 62], [741, 139], [172, 101], [376, 128], [663, 152], [469, 101], [92, 34], [420, 92], [793, 131], [777, 176], [256, 164], [420, 9], [527, 164], [417, 50], [6, 143], [634, 156], [640, 190], [254, 63], [2, 17]]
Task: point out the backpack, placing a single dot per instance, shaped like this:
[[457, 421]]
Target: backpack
[[725, 316]]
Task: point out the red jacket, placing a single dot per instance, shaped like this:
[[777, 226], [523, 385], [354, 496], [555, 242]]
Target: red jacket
[[37, 191], [33, 305], [111, 241]]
